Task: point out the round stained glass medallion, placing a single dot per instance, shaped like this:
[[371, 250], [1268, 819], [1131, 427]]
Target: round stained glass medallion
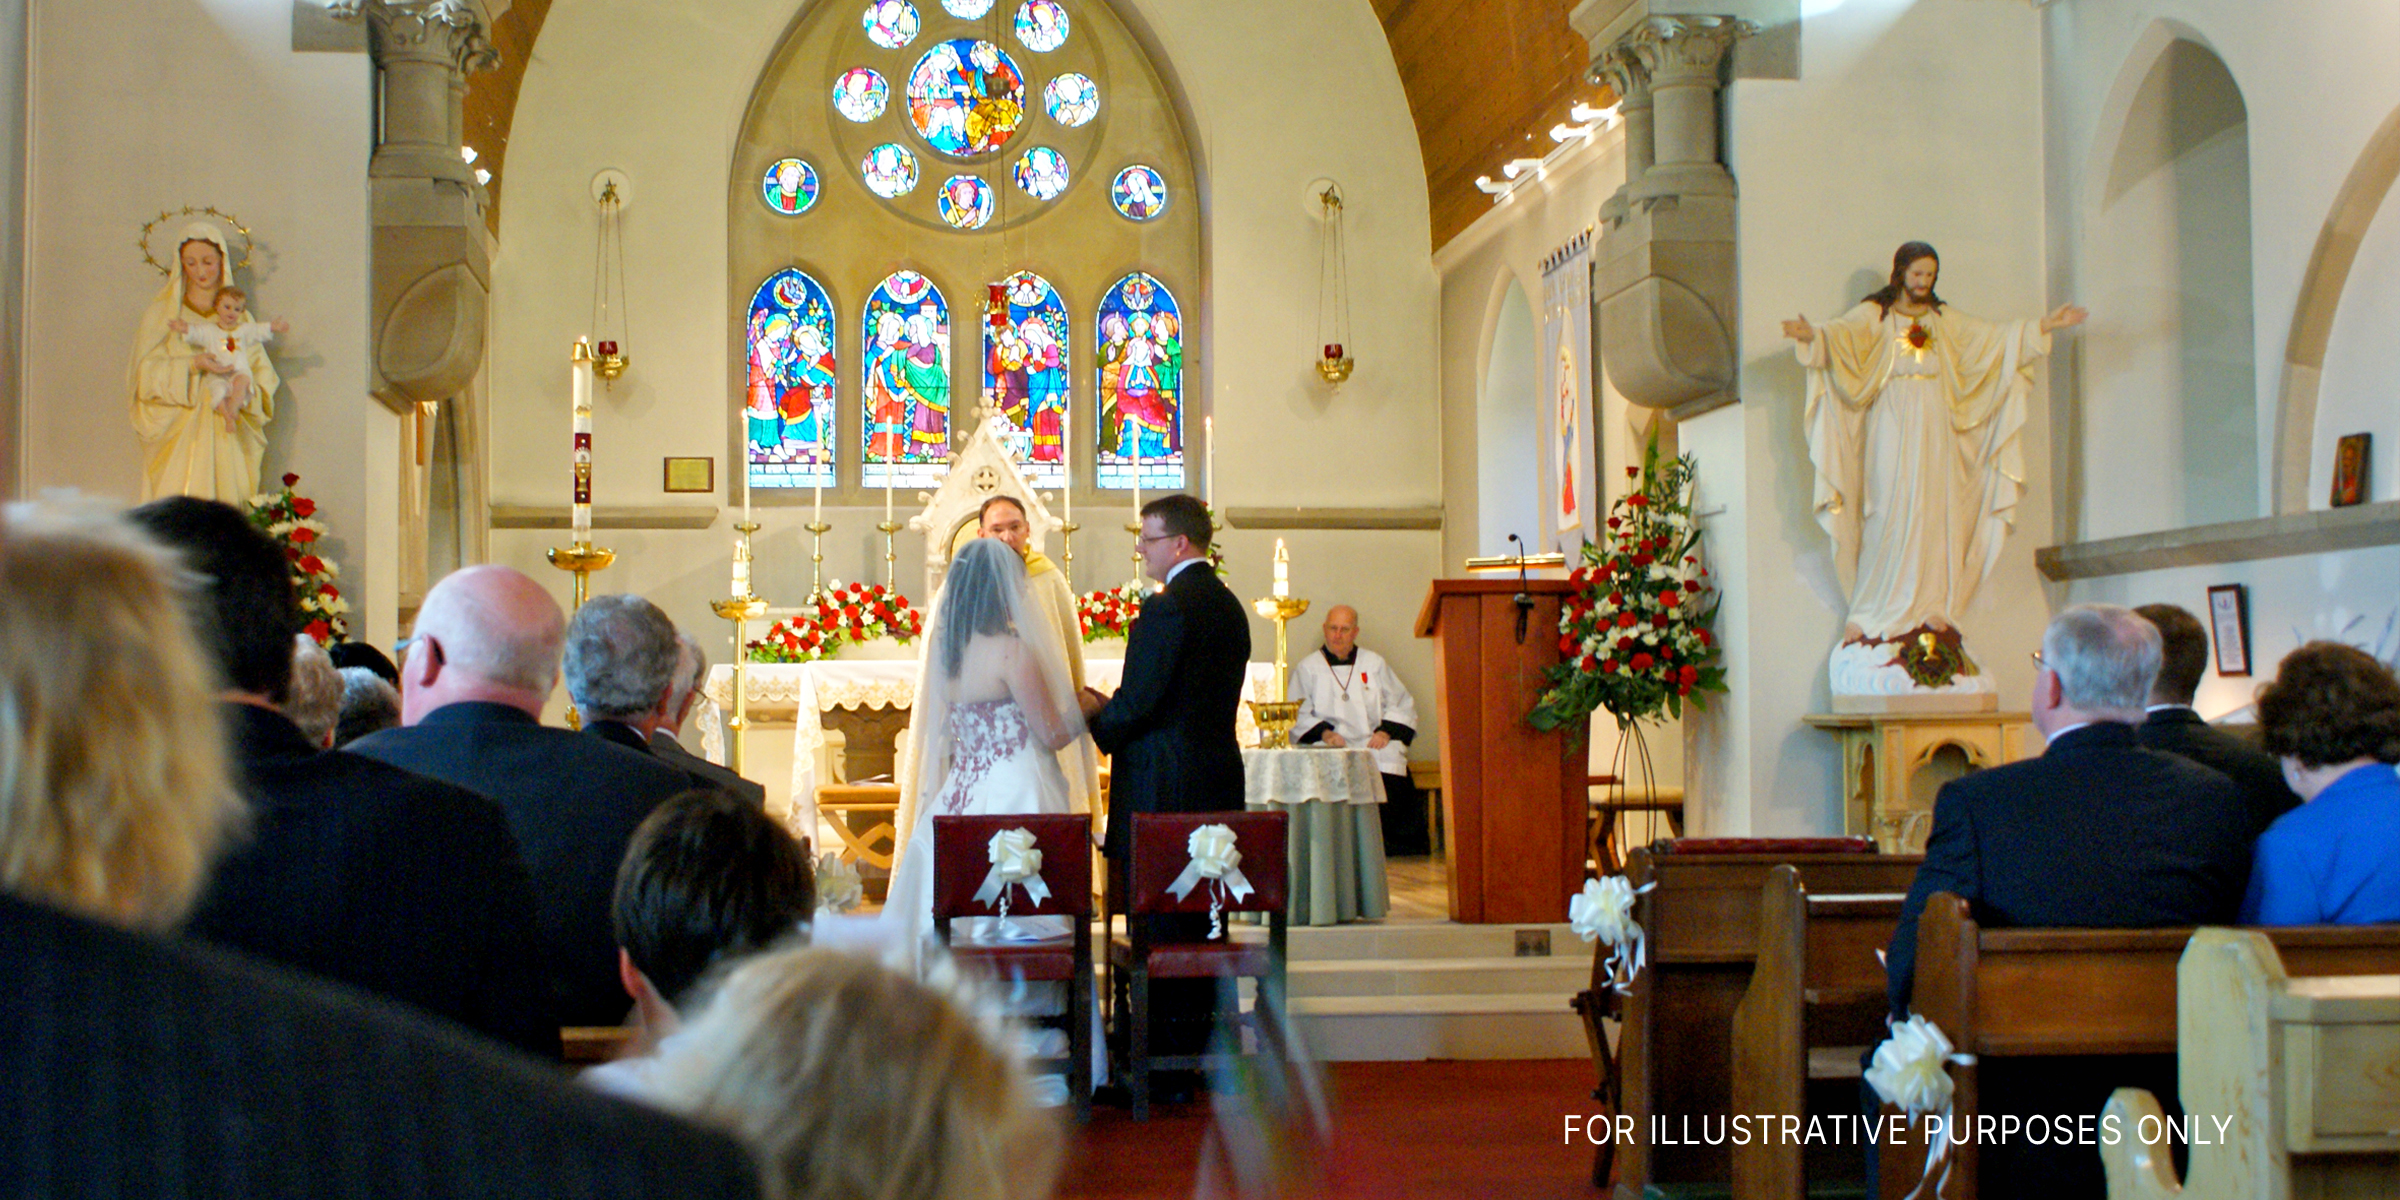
[[965, 202], [1042, 25], [966, 10], [1139, 193], [790, 186], [861, 93], [1072, 99], [890, 24], [1042, 173], [966, 97], [889, 170]]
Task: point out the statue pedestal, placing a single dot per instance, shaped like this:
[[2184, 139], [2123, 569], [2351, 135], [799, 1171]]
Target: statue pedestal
[[1893, 763]]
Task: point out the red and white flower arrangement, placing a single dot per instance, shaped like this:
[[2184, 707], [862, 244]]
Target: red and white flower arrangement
[[291, 520], [1109, 612], [1634, 636], [839, 616]]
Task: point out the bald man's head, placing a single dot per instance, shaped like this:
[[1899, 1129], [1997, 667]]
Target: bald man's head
[[1341, 629], [485, 633]]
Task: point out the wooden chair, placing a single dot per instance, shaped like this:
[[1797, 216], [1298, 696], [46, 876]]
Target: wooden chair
[[2298, 1070], [874, 844], [1816, 1001], [590, 1045], [961, 860], [1160, 854], [1700, 924], [1999, 993]]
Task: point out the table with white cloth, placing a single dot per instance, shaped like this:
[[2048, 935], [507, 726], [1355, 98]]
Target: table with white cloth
[[1336, 840]]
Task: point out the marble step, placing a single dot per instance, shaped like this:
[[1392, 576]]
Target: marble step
[[1432, 939], [1412, 1027], [1437, 976]]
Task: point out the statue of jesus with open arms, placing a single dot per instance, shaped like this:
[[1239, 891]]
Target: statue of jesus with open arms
[[1913, 416]]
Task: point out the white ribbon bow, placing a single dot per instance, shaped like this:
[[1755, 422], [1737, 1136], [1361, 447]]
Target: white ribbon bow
[[1213, 859], [1603, 912], [1014, 862], [1908, 1071], [838, 886]]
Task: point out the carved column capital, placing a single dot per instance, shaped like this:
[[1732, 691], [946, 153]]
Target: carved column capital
[[1689, 49], [1625, 68], [452, 32]]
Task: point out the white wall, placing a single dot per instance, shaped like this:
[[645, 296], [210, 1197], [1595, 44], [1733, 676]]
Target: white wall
[[143, 105], [1507, 485], [2315, 79], [669, 119]]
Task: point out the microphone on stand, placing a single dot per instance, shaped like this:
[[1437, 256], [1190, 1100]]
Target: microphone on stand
[[1524, 600]]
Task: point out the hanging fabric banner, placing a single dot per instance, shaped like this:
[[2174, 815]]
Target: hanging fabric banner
[[1567, 392]]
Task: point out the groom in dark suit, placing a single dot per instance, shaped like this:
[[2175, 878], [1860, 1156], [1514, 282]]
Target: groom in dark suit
[[1169, 728]]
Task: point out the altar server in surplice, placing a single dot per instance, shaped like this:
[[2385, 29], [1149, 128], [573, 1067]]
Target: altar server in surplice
[[1350, 698]]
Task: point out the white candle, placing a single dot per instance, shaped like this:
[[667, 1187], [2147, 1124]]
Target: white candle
[[741, 567], [580, 361], [1208, 450], [1137, 467], [888, 460], [824, 464], [1283, 570]]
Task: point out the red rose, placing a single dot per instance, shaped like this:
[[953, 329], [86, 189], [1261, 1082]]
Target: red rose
[[1617, 598], [1706, 639], [1608, 666], [1625, 620], [1566, 643], [1683, 689], [311, 564], [1670, 598], [304, 535], [1624, 645], [1641, 662], [330, 592], [1642, 560], [290, 478], [1637, 499], [1589, 662], [1633, 472], [319, 630], [1613, 522], [304, 507], [1689, 674]]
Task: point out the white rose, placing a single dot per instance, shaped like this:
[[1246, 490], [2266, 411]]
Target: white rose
[[1013, 856], [1212, 851], [1603, 911], [1908, 1067]]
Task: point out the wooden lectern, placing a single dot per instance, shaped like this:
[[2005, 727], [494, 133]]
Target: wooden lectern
[[1513, 796]]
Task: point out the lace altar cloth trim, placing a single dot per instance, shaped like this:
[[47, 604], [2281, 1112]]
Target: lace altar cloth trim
[[1300, 775]]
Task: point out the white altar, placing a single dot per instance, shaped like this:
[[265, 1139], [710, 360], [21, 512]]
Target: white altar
[[803, 692]]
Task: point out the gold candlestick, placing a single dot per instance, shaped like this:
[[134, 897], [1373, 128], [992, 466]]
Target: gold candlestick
[[741, 608], [891, 570], [1066, 539], [582, 558], [1134, 527], [1275, 717], [816, 555]]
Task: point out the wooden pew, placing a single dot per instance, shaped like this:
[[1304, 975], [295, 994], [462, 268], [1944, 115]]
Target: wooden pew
[[591, 1045], [1673, 1056], [1816, 1001], [2301, 1069], [1998, 993]]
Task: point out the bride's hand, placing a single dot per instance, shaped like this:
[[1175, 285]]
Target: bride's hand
[[1090, 702]]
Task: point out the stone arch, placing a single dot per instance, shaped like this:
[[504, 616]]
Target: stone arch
[[2329, 262], [1510, 367]]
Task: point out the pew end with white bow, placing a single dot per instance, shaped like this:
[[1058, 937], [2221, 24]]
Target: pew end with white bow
[[2292, 1077], [1024, 882], [1214, 863]]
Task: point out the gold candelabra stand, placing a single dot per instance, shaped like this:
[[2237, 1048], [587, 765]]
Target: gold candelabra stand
[[582, 558], [891, 560], [816, 555], [1066, 539], [1275, 717], [741, 608]]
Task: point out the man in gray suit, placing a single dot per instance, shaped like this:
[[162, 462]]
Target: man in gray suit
[[691, 674]]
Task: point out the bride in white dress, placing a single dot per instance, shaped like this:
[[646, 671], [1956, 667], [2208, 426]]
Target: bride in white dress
[[995, 706]]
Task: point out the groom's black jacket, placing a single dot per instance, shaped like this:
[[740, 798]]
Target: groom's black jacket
[[1169, 728]]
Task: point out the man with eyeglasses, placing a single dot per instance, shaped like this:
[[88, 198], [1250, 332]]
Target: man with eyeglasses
[[1169, 730]]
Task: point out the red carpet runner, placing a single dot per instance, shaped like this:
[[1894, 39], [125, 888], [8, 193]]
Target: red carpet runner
[[1422, 1130]]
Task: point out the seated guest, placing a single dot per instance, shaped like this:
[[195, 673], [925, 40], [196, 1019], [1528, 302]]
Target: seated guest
[[1349, 697], [691, 671], [369, 705], [2175, 727], [2333, 715], [355, 870], [848, 1079], [2099, 832], [346, 655], [315, 702], [707, 880], [484, 658], [141, 1066]]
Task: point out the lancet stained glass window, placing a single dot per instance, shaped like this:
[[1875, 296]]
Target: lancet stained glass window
[[789, 406], [905, 378], [1025, 340], [1140, 339]]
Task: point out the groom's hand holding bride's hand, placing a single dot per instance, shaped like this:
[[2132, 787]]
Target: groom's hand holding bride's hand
[[1090, 701]]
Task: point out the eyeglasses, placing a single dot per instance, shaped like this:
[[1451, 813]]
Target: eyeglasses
[[2038, 664], [1148, 538]]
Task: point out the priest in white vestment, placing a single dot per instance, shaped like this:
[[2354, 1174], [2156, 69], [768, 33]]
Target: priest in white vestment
[[1349, 698], [1914, 413]]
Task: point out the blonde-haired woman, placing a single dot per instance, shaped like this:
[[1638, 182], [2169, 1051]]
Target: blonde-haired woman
[[851, 1082], [113, 791]]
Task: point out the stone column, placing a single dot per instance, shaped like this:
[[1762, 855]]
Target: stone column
[[1686, 57]]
